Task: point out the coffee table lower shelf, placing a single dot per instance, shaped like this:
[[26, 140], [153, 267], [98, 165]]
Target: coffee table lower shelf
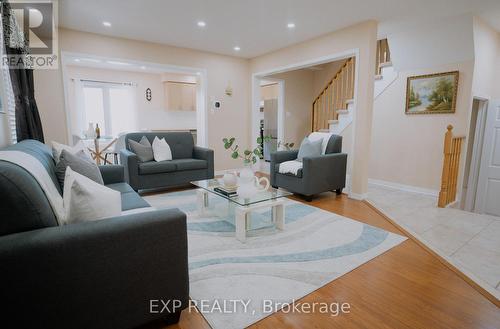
[[243, 213]]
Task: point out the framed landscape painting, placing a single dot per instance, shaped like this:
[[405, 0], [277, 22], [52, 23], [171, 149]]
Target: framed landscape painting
[[432, 93]]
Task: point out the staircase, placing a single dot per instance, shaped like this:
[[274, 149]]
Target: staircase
[[385, 74], [333, 100], [332, 110]]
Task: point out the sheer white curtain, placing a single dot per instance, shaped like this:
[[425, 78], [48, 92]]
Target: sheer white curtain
[[111, 105], [122, 108], [8, 101], [79, 125]]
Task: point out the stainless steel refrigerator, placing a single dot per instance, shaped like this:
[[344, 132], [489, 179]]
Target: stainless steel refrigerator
[[270, 127]]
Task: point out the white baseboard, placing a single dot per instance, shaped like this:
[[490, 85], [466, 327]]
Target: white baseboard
[[402, 187], [357, 196]]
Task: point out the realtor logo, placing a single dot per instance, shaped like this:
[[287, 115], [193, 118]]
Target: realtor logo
[[32, 28]]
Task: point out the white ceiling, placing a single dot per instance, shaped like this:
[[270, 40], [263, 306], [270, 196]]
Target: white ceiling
[[257, 26]]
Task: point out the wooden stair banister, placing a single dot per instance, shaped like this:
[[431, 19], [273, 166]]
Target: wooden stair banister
[[334, 96], [383, 56], [451, 164]]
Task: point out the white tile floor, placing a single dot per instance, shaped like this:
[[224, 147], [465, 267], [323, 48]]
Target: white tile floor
[[471, 242]]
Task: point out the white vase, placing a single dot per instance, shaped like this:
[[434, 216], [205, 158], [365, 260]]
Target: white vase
[[249, 184], [91, 131], [230, 179]]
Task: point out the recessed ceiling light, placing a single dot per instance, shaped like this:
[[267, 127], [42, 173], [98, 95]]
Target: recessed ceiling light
[[107, 24], [291, 25], [202, 24], [77, 59], [237, 48], [117, 63], [143, 67], [92, 60]]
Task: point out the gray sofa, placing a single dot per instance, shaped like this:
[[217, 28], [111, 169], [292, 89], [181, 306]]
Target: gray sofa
[[99, 274], [189, 162], [318, 174]]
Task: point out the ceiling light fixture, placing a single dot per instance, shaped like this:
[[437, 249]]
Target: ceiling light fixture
[[107, 24], [77, 59], [202, 24], [143, 67], [291, 25], [237, 48], [117, 63], [92, 60]]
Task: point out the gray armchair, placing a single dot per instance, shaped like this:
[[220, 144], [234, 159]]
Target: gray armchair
[[318, 174], [189, 162]]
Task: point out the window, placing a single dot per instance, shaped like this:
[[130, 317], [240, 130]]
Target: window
[[111, 106], [94, 107]]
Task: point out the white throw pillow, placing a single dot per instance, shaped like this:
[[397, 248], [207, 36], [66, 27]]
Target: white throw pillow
[[57, 149], [325, 137], [86, 200], [161, 150]]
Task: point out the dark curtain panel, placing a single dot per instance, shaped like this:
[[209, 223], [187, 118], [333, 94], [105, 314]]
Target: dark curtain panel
[[28, 123]]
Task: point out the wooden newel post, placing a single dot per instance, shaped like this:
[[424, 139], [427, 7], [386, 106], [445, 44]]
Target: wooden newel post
[[445, 176]]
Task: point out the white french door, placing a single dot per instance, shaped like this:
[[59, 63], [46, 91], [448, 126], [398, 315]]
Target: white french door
[[488, 191]]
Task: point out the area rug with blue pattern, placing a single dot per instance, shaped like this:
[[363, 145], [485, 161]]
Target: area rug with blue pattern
[[236, 284]]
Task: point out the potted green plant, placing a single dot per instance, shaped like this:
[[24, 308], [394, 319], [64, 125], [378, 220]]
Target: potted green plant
[[249, 156], [248, 184]]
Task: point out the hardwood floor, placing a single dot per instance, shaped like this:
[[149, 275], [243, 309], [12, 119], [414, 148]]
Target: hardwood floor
[[406, 287]]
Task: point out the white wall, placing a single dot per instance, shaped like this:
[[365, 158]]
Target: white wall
[[424, 44], [297, 104], [487, 60], [232, 120], [149, 114], [408, 149]]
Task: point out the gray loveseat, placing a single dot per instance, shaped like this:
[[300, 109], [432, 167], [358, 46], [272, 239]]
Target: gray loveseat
[[189, 162], [99, 274], [318, 174]]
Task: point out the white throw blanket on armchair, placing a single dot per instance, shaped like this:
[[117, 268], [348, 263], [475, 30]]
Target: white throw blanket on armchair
[[293, 166], [290, 167]]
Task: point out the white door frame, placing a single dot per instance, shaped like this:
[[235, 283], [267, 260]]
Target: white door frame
[[100, 61], [475, 163], [493, 110], [281, 118]]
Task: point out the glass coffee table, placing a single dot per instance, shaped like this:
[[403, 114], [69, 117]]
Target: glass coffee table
[[270, 198]]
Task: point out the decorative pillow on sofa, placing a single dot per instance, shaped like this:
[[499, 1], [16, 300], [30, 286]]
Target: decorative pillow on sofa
[[143, 149], [309, 148], [80, 163], [86, 200], [57, 149], [324, 137], [161, 150]]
